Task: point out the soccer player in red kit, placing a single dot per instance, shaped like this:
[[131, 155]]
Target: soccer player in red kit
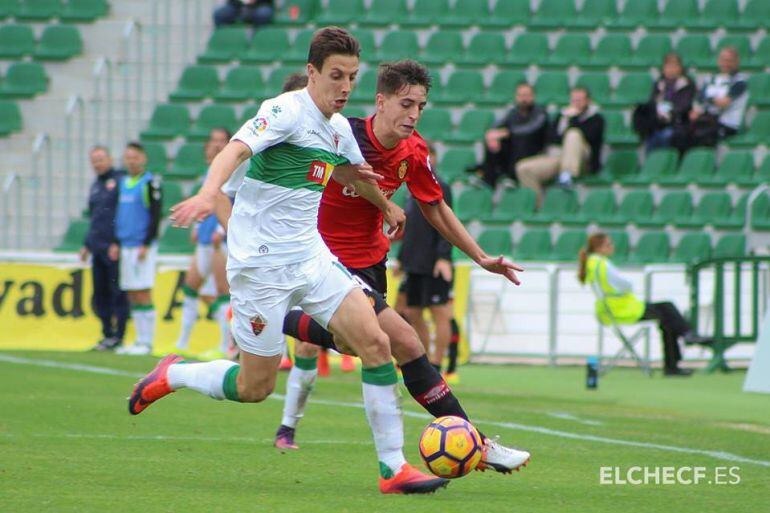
[[351, 224]]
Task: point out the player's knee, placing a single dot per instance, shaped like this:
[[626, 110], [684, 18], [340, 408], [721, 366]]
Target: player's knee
[[255, 393], [305, 350], [406, 345], [376, 350]]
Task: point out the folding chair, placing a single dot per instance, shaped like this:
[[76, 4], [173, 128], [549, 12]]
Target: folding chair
[[641, 331]]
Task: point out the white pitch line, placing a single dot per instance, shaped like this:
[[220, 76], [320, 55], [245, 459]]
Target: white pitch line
[[568, 416], [720, 455], [174, 438]]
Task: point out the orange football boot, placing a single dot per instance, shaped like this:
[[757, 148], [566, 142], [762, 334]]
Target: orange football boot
[[153, 386]]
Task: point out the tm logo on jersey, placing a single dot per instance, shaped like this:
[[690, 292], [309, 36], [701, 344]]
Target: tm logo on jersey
[[319, 172]]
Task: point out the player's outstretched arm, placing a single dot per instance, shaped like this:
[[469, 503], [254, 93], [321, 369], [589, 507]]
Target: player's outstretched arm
[[202, 204], [445, 221], [393, 214]]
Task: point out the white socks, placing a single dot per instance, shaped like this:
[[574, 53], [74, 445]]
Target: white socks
[[224, 327], [206, 378], [299, 385], [383, 410], [144, 324], [189, 317]]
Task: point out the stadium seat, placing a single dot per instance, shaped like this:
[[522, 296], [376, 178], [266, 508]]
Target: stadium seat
[[16, 41], [195, 84], [274, 84], [502, 89], [697, 162], [212, 116], [435, 124], [189, 162], [714, 205], [485, 48], [473, 204], [674, 205], [248, 112], [225, 45], [598, 83], [296, 12], [759, 61], [732, 245], [354, 112], [397, 44], [737, 217], [496, 242], [425, 13], [676, 14], [570, 49], [10, 118], [598, 204], [340, 13], [298, 51], [553, 14], [763, 173], [650, 52], [693, 247], [59, 43], [172, 194], [175, 240], [74, 236], [557, 205], [461, 87], [552, 87], [465, 13], [268, 45], [622, 245], [695, 50], [593, 14], [736, 167], [514, 205], [757, 133], [8, 8], [156, 157], [639, 13], [471, 128], [442, 47], [617, 131], [454, 162], [242, 83], [611, 50], [633, 88], [384, 12], [399, 197], [635, 205], [619, 163], [755, 15], [84, 11], [568, 245], [760, 213], [533, 245], [652, 247], [38, 10], [167, 122], [527, 48], [716, 13], [506, 14], [366, 87], [365, 39], [24, 80]]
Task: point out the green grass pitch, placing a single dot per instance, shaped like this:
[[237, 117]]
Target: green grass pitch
[[68, 444]]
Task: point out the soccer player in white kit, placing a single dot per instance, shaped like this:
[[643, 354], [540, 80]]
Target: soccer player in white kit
[[277, 259]]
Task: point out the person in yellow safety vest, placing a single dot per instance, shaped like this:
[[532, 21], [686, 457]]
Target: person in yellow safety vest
[[596, 269]]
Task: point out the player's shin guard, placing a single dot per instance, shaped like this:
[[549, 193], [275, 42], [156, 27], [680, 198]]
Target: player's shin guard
[[383, 411], [217, 379], [189, 316], [299, 385], [301, 326]]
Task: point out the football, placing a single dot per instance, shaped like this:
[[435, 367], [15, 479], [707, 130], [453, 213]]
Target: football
[[450, 447]]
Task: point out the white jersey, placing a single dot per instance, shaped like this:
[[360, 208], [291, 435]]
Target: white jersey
[[294, 151]]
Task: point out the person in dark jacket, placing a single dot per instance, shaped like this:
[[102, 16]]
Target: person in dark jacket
[[576, 140], [254, 12], [108, 302]]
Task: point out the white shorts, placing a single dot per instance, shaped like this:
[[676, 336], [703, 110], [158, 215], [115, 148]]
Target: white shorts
[[137, 274], [262, 296]]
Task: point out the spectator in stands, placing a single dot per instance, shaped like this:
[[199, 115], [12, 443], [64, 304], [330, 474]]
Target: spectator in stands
[[255, 12], [108, 302], [520, 134], [576, 141], [719, 107], [624, 307], [667, 111]]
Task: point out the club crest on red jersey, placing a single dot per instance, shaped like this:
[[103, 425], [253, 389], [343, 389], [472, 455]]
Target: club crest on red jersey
[[403, 167], [257, 324]]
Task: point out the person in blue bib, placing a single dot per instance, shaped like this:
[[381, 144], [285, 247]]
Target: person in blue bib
[[136, 232]]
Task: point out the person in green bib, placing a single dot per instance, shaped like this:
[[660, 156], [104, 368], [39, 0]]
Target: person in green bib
[[619, 302]]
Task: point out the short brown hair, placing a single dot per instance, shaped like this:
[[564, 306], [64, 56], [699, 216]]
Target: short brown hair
[[331, 41], [294, 81], [136, 146], [393, 76]]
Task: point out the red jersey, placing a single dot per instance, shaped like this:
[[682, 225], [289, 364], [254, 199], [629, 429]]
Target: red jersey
[[352, 226]]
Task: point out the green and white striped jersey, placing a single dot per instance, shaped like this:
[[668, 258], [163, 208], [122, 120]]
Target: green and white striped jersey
[[294, 151]]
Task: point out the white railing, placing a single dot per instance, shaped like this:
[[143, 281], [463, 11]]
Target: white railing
[[11, 204], [74, 148], [42, 179]]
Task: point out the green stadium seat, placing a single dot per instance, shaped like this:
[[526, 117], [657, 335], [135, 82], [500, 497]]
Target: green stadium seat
[[354, 112], [736, 167], [633, 88], [650, 52], [340, 13], [212, 116], [737, 217], [619, 164], [435, 124], [368, 45], [465, 13], [472, 127], [639, 13], [296, 12], [622, 246], [16, 41], [398, 44], [24, 80], [268, 45], [225, 45], [598, 83], [172, 194], [496, 242], [594, 14], [248, 112], [652, 247], [366, 88], [677, 14], [757, 133], [473, 204], [659, 163], [617, 131], [425, 13], [716, 13], [189, 162], [38, 10], [274, 84], [754, 16], [760, 213], [84, 11], [74, 236], [462, 87], [692, 248], [59, 43], [598, 204], [514, 205], [175, 240], [674, 205], [760, 60], [442, 47], [8, 8], [557, 205], [10, 118], [696, 50], [156, 157], [485, 48], [635, 205], [697, 163], [570, 49], [552, 87], [714, 205], [195, 84], [502, 89], [553, 14], [568, 245], [506, 14], [399, 197], [611, 50], [384, 12], [533, 245], [454, 162], [527, 48], [732, 245], [762, 175], [167, 122], [298, 51], [242, 83]]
